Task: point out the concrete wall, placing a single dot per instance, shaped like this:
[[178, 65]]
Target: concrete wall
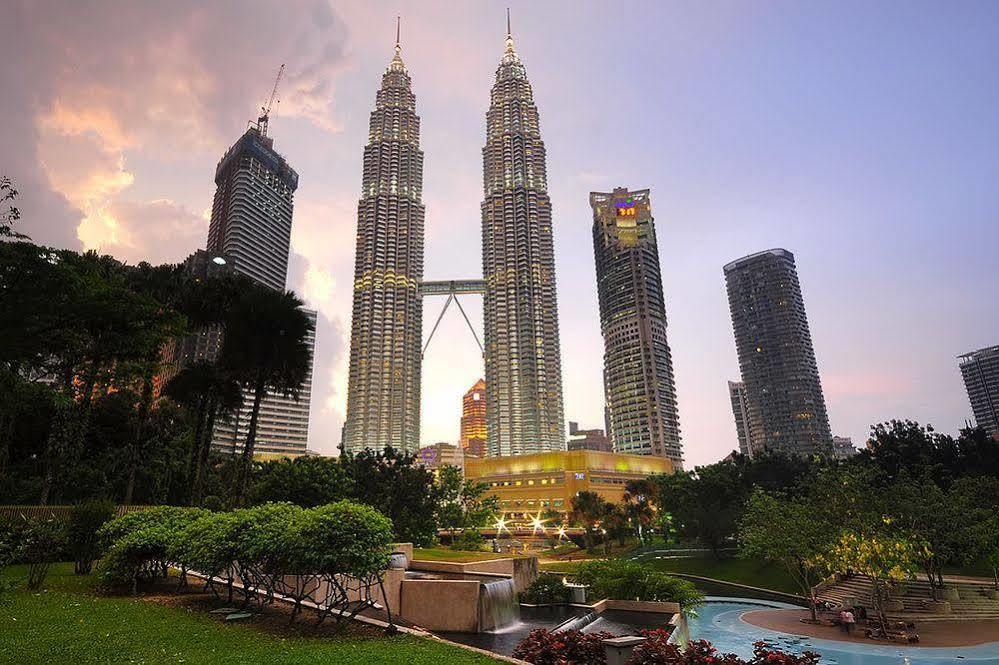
[[523, 570], [445, 605]]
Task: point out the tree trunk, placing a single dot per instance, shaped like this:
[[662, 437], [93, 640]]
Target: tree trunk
[[204, 449], [192, 463], [145, 405], [251, 439]]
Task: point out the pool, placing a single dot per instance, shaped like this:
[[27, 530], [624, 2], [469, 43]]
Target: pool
[[718, 621]]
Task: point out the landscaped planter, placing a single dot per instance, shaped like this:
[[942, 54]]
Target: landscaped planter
[[937, 606], [893, 605], [949, 593]]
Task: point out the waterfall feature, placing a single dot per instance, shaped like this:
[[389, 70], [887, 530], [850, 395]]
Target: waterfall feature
[[577, 623], [498, 606]]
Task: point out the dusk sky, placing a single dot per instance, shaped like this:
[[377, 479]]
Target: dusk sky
[[861, 136]]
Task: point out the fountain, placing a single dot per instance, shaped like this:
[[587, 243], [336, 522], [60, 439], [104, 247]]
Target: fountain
[[498, 606]]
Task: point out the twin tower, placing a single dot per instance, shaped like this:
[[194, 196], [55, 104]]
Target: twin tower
[[522, 359]]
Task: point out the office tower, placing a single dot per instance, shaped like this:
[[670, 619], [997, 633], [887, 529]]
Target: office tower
[[251, 213], [638, 368], [473, 420], [737, 393], [440, 454], [250, 234], [588, 439], [786, 409], [283, 423], [522, 358], [980, 370], [383, 388]]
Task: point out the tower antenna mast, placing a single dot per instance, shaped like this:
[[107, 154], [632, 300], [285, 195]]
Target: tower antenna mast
[[265, 111]]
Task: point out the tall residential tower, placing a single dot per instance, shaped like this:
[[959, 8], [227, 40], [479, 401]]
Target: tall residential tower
[[250, 231], [383, 390], [740, 411], [980, 370], [522, 357], [786, 409], [638, 368]]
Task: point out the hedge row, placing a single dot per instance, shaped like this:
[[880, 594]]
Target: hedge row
[[331, 555]]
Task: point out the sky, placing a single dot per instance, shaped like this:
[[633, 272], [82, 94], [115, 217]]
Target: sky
[[863, 137]]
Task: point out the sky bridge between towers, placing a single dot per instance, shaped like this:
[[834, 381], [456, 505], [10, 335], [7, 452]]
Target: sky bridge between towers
[[451, 288]]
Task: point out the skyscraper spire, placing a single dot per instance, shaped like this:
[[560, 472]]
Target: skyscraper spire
[[397, 65], [398, 28], [509, 33]]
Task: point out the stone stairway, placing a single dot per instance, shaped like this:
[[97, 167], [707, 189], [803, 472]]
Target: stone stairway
[[972, 601]]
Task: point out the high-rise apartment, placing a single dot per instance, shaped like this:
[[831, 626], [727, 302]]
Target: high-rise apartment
[[638, 368], [980, 370], [250, 233], [588, 439], [383, 389], [786, 409], [474, 436], [522, 357], [740, 410]]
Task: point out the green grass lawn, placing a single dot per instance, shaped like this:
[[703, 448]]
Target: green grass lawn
[[743, 571], [65, 623], [458, 556]]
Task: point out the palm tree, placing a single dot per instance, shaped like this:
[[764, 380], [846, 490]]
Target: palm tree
[[588, 509], [265, 348], [209, 393], [639, 498]]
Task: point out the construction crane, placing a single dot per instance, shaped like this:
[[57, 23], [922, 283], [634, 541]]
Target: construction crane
[[265, 111]]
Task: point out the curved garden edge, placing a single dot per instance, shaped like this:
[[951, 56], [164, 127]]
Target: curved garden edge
[[931, 634]]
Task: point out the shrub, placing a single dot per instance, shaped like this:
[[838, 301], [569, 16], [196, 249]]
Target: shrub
[[345, 538], [545, 647], [39, 545], [142, 544], [656, 650], [469, 540], [84, 523], [546, 590], [620, 579]]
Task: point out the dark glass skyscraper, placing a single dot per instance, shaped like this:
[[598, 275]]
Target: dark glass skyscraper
[[980, 370], [251, 230], [638, 368], [522, 357], [383, 390], [740, 411], [786, 409]]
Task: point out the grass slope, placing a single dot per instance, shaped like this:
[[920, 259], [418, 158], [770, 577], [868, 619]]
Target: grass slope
[[458, 556], [64, 623]]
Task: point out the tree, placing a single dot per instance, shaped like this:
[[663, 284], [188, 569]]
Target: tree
[[209, 393], [789, 532], [886, 560], [9, 213], [265, 347], [589, 509], [400, 488], [306, 481]]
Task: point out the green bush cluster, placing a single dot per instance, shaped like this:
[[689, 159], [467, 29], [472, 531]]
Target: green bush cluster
[[622, 579], [331, 555], [546, 590]]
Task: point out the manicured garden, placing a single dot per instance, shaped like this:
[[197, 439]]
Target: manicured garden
[[68, 622], [458, 556]]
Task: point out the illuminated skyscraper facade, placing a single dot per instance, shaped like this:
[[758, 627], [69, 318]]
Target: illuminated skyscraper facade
[[383, 394], [638, 368], [473, 420], [786, 409], [522, 358], [980, 371]]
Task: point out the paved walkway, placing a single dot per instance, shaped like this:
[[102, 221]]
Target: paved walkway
[[931, 634]]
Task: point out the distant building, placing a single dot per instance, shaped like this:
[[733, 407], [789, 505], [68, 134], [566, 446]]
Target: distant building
[[588, 439], [440, 454], [528, 484], [737, 394], [473, 420], [786, 409], [980, 370], [842, 447], [638, 368]]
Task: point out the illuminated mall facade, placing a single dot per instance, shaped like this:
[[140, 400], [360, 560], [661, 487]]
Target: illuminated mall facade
[[528, 484]]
